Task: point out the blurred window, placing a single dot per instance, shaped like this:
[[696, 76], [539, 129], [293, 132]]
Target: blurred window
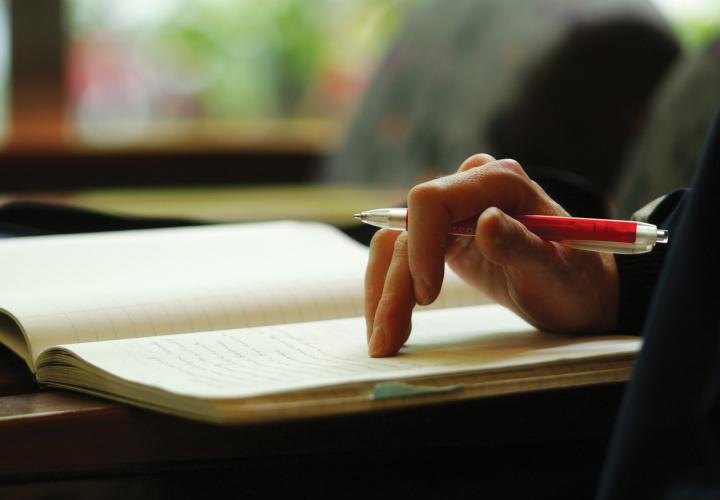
[[695, 21], [4, 64], [162, 67], [183, 71]]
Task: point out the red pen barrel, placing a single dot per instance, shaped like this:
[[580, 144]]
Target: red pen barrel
[[597, 235], [575, 229]]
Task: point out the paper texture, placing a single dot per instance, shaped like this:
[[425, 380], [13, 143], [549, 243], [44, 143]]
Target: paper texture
[[279, 358], [105, 286]]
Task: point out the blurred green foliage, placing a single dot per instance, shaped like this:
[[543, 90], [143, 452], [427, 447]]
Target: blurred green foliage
[[239, 58], [229, 59], [697, 32]]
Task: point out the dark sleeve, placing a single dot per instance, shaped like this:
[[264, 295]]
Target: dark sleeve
[[638, 274]]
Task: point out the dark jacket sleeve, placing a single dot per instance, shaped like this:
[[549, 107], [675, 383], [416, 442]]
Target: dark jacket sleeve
[[638, 274], [666, 443]]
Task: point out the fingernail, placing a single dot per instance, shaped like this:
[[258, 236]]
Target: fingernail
[[377, 341], [421, 291]]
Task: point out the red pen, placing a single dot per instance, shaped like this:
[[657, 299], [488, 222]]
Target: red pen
[[598, 235]]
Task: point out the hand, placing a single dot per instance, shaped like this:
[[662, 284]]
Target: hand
[[553, 287]]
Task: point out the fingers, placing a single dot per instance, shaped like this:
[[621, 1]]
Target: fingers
[[391, 319], [474, 161], [407, 268], [532, 268], [507, 242], [434, 205], [554, 287], [381, 252]]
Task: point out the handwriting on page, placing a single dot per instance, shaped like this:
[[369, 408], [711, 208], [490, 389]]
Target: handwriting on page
[[244, 362], [263, 360]]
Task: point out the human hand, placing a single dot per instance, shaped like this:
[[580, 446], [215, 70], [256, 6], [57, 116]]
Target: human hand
[[553, 287]]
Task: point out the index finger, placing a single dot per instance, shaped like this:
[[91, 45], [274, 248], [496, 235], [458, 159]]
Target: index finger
[[379, 258], [434, 205]]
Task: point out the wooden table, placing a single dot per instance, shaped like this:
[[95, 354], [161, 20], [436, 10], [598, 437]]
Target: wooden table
[[58, 444]]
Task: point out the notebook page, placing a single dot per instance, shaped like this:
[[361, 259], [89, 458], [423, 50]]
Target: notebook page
[[105, 286], [265, 360]]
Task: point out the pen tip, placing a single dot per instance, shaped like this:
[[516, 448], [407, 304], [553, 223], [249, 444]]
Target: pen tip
[[359, 216]]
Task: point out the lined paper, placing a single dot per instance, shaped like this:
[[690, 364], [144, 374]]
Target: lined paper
[[280, 358], [148, 283]]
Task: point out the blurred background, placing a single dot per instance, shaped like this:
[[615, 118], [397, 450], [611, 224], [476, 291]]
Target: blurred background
[[217, 77], [105, 73], [210, 91]]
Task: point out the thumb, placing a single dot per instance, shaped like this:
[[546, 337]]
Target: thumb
[[507, 242]]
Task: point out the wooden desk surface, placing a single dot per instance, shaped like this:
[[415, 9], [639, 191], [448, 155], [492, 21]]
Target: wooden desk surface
[[55, 440]]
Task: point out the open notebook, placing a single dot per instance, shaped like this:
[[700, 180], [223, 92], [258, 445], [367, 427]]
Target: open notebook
[[236, 323]]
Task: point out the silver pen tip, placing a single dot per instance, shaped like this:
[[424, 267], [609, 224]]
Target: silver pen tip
[[360, 216]]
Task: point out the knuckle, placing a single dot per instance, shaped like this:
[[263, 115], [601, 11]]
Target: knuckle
[[375, 241], [395, 302], [388, 301], [381, 238], [475, 161], [511, 178], [424, 193], [400, 248], [513, 166]]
